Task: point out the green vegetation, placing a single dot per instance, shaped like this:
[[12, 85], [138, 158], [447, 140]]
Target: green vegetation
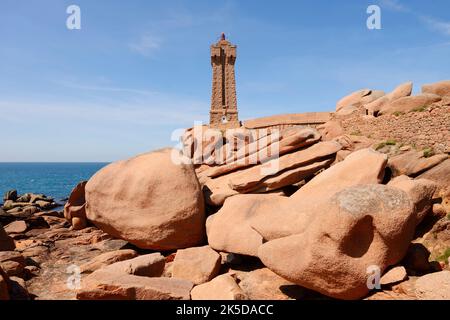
[[419, 109], [389, 142], [356, 133], [428, 152], [444, 256], [398, 113], [448, 216]]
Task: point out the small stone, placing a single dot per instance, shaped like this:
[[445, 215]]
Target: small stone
[[16, 227], [198, 265], [223, 287], [394, 275]]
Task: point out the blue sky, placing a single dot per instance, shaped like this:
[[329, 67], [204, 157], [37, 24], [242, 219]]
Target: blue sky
[[137, 70]]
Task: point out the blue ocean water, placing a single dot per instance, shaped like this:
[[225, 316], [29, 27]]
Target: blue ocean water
[[52, 179]]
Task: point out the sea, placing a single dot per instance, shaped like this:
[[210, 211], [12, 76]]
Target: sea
[[55, 180]]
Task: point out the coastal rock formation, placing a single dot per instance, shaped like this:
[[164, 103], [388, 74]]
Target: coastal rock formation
[[362, 194], [4, 290], [198, 265], [6, 243], [75, 207], [403, 90], [420, 191], [107, 259], [104, 285], [441, 88], [223, 287], [411, 103], [140, 201], [305, 158], [413, 163], [26, 204], [358, 98], [376, 225], [263, 284], [230, 229]]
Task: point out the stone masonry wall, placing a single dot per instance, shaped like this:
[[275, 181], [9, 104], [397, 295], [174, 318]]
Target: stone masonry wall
[[425, 129]]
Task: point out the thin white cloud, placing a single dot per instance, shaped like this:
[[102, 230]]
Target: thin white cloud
[[146, 46], [106, 88], [438, 25], [393, 5]]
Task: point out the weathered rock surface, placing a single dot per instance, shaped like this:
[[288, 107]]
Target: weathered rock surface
[[251, 178], [441, 88], [357, 99], [12, 263], [149, 265], [16, 227], [403, 90], [287, 170], [10, 195], [434, 286], [411, 103], [263, 284], [104, 285], [75, 207], [140, 201], [223, 287], [259, 152], [412, 163], [365, 166], [439, 174], [230, 228], [198, 265], [107, 259], [420, 191], [330, 130], [6, 243], [4, 292], [376, 225], [394, 275]]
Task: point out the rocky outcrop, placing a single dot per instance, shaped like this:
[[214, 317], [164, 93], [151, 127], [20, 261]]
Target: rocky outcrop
[[330, 130], [403, 90], [230, 229], [223, 287], [6, 243], [259, 152], [4, 292], [411, 103], [420, 191], [413, 163], [26, 204], [198, 265], [376, 225], [75, 207], [12, 263], [357, 99], [107, 259], [441, 88], [439, 174], [288, 169], [140, 201], [102, 285]]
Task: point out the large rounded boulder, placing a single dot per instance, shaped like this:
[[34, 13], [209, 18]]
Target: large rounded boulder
[[153, 201]]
